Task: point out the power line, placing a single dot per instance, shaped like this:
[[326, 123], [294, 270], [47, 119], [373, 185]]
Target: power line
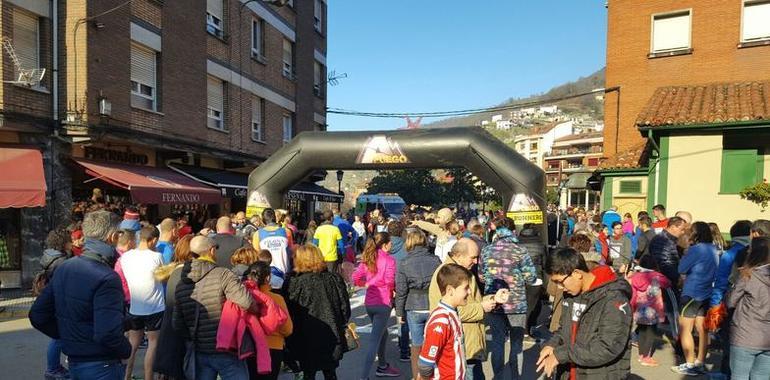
[[400, 115]]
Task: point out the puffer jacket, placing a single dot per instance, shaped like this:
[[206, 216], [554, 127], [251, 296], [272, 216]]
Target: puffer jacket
[[471, 315], [413, 280], [505, 264], [593, 340], [663, 250], [204, 283], [750, 326]]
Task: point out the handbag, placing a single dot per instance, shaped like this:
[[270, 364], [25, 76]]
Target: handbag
[[188, 366], [351, 337]]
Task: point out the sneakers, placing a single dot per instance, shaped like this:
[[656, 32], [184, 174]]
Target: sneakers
[[387, 371], [59, 374], [407, 357], [648, 361], [688, 369]]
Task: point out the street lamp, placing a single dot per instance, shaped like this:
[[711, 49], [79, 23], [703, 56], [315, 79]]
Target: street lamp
[[340, 173]]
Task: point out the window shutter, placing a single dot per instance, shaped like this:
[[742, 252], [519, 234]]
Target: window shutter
[[287, 50], [671, 32], [214, 8], [756, 20], [740, 168], [25, 39], [142, 65], [215, 94]]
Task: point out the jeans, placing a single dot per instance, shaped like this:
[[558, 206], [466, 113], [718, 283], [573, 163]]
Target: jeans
[[378, 338], [416, 321], [53, 355], [403, 340], [227, 366], [101, 370], [746, 363], [474, 370], [511, 325]]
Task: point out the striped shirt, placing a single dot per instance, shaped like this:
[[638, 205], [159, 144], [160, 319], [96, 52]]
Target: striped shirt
[[443, 347]]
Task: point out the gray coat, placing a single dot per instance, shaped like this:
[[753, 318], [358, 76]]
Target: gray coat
[[750, 326], [206, 284], [413, 277]]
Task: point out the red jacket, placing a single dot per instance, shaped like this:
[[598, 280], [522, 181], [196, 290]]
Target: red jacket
[[245, 334]]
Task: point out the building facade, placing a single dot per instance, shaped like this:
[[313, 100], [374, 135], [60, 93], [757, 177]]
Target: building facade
[[539, 140], [689, 82], [570, 163], [135, 89]]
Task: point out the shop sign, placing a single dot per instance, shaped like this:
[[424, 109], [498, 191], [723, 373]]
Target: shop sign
[[381, 150], [523, 209], [101, 154], [180, 198], [256, 204], [300, 196], [230, 192]]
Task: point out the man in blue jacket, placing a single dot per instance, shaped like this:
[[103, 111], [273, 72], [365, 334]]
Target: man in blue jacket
[[83, 305]]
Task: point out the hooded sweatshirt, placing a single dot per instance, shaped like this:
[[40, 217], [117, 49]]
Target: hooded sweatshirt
[[593, 339], [51, 260], [750, 326]]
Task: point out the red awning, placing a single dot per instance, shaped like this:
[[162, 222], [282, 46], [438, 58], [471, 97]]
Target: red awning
[[23, 181], [152, 185]]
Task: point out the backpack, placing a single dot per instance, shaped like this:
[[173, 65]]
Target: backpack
[[43, 277]]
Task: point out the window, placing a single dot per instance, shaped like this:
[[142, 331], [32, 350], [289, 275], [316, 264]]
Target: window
[[671, 32], [756, 20], [318, 16], [214, 12], [593, 162], [143, 77], [216, 90], [288, 59], [533, 146], [288, 133], [630, 187], [256, 119], [318, 76], [26, 39], [740, 168], [257, 31]]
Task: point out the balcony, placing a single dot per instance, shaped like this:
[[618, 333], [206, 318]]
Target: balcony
[[573, 152]]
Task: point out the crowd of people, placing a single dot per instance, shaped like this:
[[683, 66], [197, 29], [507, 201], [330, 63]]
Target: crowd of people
[[248, 298]]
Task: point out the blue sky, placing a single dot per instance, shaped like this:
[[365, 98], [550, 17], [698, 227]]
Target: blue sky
[[438, 55]]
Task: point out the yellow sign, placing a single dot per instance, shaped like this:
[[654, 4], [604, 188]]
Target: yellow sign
[[256, 204], [523, 217]]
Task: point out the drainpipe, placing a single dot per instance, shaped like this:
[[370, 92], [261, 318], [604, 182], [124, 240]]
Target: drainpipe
[[55, 52], [655, 146]]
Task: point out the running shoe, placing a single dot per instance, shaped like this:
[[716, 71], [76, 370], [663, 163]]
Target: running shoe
[[387, 371], [407, 357], [648, 361], [687, 369]]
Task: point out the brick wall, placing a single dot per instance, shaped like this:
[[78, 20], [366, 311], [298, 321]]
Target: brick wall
[[149, 11], [18, 98], [715, 58]]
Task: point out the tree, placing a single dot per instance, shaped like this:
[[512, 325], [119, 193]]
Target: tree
[[414, 186]]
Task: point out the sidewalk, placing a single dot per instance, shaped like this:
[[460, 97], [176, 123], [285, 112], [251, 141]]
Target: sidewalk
[[24, 350]]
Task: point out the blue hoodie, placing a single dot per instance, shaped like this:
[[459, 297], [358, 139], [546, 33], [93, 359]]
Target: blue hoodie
[[725, 267], [699, 264], [83, 307]]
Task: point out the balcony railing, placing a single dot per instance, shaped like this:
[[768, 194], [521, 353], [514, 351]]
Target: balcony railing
[[565, 152]]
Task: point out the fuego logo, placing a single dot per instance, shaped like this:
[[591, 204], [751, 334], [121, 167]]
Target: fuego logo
[[381, 150]]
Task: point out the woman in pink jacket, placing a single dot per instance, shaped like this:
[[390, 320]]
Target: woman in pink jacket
[[377, 272]]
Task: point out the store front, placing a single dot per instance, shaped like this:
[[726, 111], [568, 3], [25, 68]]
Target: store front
[[22, 188], [303, 201]]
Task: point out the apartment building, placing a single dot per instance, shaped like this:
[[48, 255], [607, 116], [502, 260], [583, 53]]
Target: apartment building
[[181, 98], [570, 163], [689, 82], [539, 140]]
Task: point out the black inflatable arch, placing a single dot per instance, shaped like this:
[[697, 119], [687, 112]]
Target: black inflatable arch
[[520, 182]]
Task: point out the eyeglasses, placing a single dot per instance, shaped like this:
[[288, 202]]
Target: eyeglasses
[[560, 283]]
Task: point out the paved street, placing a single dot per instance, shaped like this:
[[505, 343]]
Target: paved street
[[23, 353]]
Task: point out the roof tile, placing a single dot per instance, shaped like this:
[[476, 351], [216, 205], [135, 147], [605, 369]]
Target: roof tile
[[632, 158], [710, 103]]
